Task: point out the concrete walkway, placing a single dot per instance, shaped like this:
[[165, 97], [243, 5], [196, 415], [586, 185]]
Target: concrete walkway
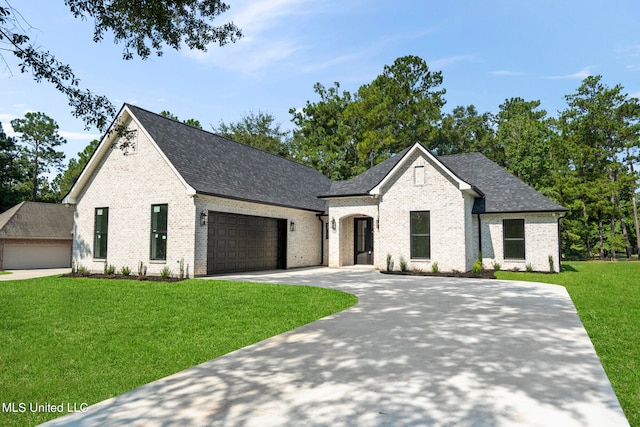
[[415, 351], [30, 274]]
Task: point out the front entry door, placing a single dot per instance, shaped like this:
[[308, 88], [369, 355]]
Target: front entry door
[[363, 244]]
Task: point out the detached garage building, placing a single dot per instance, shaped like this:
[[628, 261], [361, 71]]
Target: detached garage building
[[36, 235]]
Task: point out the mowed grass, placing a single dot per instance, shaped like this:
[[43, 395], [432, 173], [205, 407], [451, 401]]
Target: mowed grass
[[85, 340], [607, 297]]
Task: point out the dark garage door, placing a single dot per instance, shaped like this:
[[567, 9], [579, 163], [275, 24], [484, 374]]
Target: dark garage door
[[239, 243]]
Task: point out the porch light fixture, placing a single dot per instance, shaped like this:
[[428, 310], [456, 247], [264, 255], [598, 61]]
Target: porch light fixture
[[292, 226], [333, 224], [203, 217]]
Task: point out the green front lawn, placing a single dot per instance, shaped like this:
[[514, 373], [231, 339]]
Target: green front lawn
[[85, 340], [607, 297]]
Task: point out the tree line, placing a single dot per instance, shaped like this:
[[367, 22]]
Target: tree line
[[585, 158]]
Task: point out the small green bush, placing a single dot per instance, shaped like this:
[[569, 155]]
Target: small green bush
[[403, 265], [165, 273], [125, 271], [477, 267], [434, 267], [529, 267], [110, 270], [496, 266]]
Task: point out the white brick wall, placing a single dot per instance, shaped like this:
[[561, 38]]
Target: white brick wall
[[454, 230], [541, 240], [128, 185], [446, 204], [344, 211], [449, 211]]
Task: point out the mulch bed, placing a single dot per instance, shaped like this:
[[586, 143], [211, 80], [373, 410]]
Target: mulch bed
[[122, 277], [485, 274]]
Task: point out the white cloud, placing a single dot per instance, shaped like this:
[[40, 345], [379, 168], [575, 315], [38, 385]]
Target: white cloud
[[445, 62], [506, 73], [580, 75], [631, 51], [260, 47], [332, 62], [79, 136], [5, 120]]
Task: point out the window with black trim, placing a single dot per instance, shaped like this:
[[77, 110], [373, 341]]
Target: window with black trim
[[513, 235], [159, 232], [420, 234], [101, 228]]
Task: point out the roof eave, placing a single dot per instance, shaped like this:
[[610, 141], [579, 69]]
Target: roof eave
[[342, 196], [281, 205], [522, 211]]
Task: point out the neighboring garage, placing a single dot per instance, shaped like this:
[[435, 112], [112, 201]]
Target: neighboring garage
[[238, 243], [36, 235]]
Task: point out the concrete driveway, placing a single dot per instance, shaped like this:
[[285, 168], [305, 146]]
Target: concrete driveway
[[30, 274], [415, 351]]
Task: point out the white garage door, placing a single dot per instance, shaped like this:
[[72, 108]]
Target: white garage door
[[22, 256]]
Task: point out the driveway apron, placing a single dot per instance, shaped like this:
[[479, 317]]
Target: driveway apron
[[414, 351]]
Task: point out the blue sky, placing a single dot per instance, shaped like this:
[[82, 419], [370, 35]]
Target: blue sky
[[488, 51]]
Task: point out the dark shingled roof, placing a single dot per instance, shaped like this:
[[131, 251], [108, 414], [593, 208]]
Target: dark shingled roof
[[366, 181], [503, 192], [34, 220], [218, 166]]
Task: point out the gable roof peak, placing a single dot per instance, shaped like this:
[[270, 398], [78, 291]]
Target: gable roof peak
[[132, 108]]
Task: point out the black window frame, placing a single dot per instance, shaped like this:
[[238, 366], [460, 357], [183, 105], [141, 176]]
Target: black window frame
[[509, 240], [414, 235], [158, 233], [100, 236]]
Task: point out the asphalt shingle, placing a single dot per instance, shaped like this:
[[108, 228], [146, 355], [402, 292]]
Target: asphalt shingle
[[218, 166], [35, 220], [503, 192]]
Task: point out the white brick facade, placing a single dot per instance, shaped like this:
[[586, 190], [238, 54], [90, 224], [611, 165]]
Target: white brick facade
[[421, 185], [541, 241], [130, 183], [449, 209]]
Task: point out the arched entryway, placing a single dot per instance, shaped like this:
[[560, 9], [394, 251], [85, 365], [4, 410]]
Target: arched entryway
[[356, 240], [363, 241]]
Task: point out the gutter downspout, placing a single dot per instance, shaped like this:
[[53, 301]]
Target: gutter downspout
[[321, 239], [479, 236]]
